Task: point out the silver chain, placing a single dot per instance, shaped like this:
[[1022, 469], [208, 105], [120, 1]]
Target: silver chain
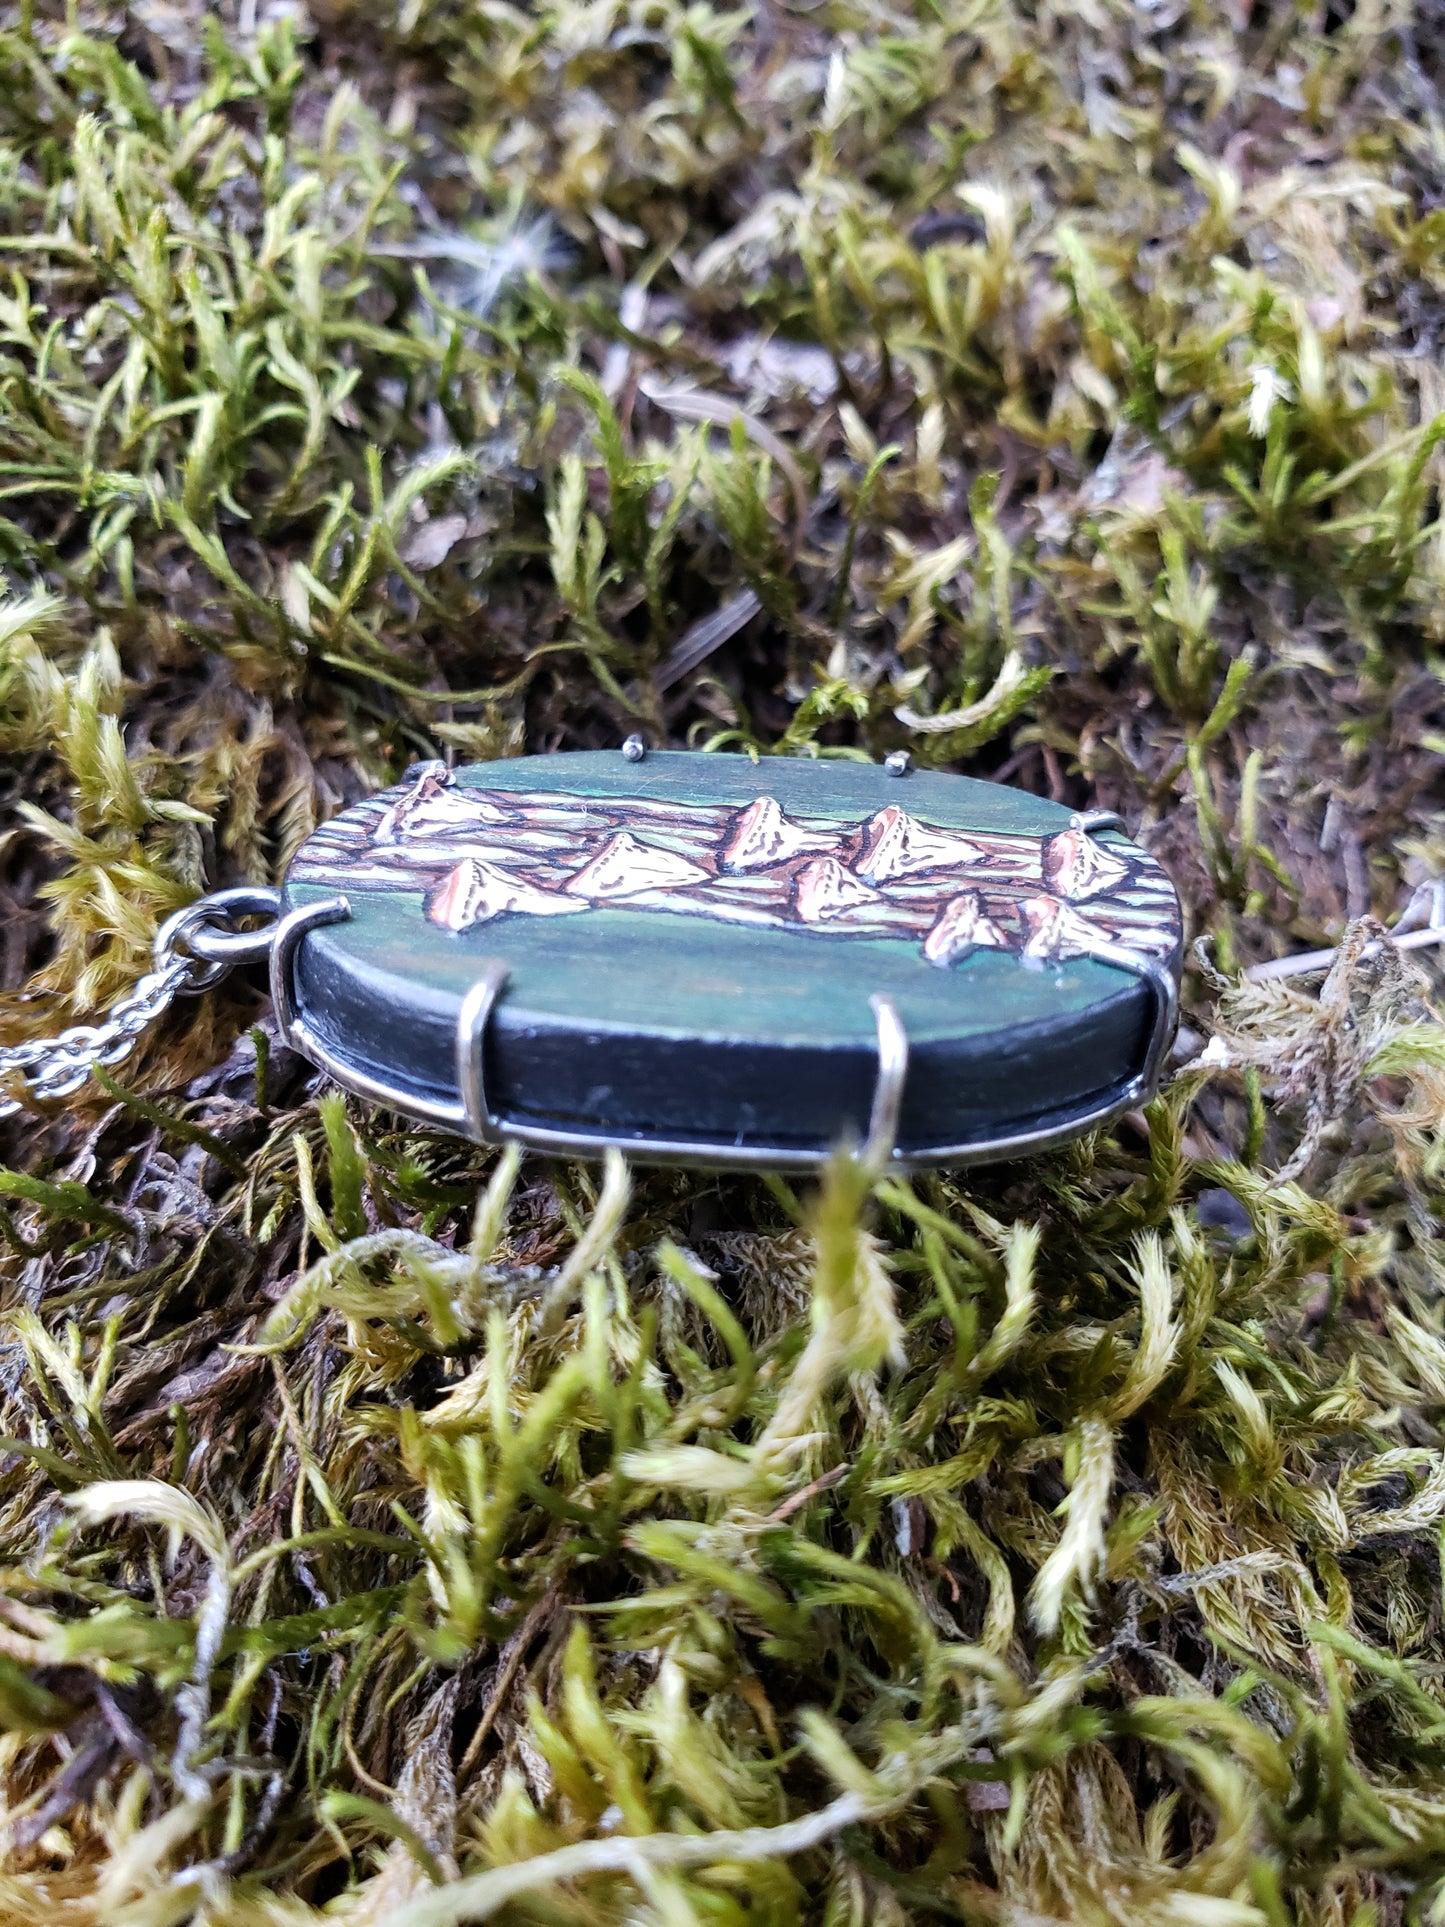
[[194, 949]]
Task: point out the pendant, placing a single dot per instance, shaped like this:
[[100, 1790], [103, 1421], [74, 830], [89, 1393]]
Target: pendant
[[701, 959]]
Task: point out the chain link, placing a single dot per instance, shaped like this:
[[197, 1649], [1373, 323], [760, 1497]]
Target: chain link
[[50, 1067]]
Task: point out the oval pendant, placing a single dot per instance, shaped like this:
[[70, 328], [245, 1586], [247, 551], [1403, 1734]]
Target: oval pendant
[[702, 959]]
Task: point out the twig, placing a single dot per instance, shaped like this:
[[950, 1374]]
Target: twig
[[513, 1654], [481, 1895], [1421, 924], [705, 636], [795, 1499]]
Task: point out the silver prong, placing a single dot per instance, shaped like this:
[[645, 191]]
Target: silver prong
[[898, 762], [888, 1090], [1160, 979], [1092, 821], [284, 945], [473, 1019], [634, 749]]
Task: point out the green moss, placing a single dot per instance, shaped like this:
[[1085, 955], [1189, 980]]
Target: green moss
[[399, 1533]]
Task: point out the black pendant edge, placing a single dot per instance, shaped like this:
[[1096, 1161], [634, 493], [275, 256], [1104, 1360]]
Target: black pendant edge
[[1032, 1136], [1050, 1132]]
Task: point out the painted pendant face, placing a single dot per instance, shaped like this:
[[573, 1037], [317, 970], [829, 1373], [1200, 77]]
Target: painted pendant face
[[688, 956]]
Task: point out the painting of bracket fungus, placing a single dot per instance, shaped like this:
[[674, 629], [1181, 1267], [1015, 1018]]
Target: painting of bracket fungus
[[479, 854]]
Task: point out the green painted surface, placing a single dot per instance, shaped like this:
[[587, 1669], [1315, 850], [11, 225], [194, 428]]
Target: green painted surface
[[634, 970], [846, 791]]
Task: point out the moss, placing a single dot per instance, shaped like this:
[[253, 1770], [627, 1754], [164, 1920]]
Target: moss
[[400, 1533]]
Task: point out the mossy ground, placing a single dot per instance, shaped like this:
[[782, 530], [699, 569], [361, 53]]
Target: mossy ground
[[1053, 389]]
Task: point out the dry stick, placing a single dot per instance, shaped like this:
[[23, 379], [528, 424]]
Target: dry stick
[[480, 1895], [800, 1498], [513, 1655], [707, 634], [1309, 960], [1420, 923]]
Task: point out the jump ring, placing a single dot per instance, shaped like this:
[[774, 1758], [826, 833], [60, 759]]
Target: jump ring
[[190, 931]]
